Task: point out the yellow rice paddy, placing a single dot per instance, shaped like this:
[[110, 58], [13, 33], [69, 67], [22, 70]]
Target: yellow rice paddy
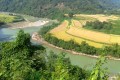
[[79, 34]]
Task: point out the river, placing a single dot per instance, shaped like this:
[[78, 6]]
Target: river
[[85, 62]]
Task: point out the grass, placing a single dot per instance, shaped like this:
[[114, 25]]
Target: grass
[[81, 17], [31, 18], [116, 27], [6, 18]]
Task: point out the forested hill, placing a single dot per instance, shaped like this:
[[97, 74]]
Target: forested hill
[[47, 8]]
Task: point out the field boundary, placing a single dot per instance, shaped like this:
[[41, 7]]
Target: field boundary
[[88, 39], [38, 38]]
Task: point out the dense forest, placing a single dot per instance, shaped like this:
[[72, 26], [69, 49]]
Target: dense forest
[[21, 60], [56, 8]]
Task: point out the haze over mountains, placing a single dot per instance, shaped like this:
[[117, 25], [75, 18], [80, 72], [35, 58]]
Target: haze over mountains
[[46, 8]]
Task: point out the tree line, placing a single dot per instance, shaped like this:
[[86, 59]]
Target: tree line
[[111, 50], [55, 9], [71, 45], [20, 59], [98, 25]]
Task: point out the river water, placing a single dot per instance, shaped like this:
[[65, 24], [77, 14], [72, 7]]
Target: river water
[[82, 61]]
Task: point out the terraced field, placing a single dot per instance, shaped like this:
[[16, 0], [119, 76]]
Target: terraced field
[[77, 33], [60, 33]]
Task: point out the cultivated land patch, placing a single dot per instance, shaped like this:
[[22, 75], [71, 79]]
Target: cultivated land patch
[[99, 17], [60, 33], [6, 18], [77, 33], [87, 34], [77, 23]]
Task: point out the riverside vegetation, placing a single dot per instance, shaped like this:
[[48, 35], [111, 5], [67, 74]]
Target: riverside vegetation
[[113, 50], [22, 60], [75, 28]]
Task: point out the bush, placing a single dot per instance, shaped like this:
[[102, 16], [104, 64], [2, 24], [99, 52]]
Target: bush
[[99, 25]]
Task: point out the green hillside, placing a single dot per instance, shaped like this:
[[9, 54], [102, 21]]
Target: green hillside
[[49, 8]]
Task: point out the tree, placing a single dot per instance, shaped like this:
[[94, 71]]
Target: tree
[[2, 23], [98, 73], [113, 50], [23, 39], [59, 68], [70, 14], [14, 62], [17, 64]]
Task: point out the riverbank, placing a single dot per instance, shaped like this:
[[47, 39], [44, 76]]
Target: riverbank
[[25, 24], [39, 39], [28, 21]]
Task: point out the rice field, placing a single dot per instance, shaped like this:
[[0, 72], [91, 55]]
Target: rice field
[[60, 33], [77, 24], [87, 34], [99, 17], [77, 33]]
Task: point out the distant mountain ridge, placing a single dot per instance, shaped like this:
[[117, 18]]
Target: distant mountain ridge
[[47, 8]]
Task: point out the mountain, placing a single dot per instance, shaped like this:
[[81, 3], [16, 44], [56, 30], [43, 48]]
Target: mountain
[[48, 8], [110, 4]]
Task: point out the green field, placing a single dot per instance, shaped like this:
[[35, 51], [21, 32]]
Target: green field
[[9, 18]]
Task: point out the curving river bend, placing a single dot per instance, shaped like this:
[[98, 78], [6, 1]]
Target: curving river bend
[[79, 60]]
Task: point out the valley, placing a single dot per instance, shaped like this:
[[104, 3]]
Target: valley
[[59, 39], [9, 33]]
